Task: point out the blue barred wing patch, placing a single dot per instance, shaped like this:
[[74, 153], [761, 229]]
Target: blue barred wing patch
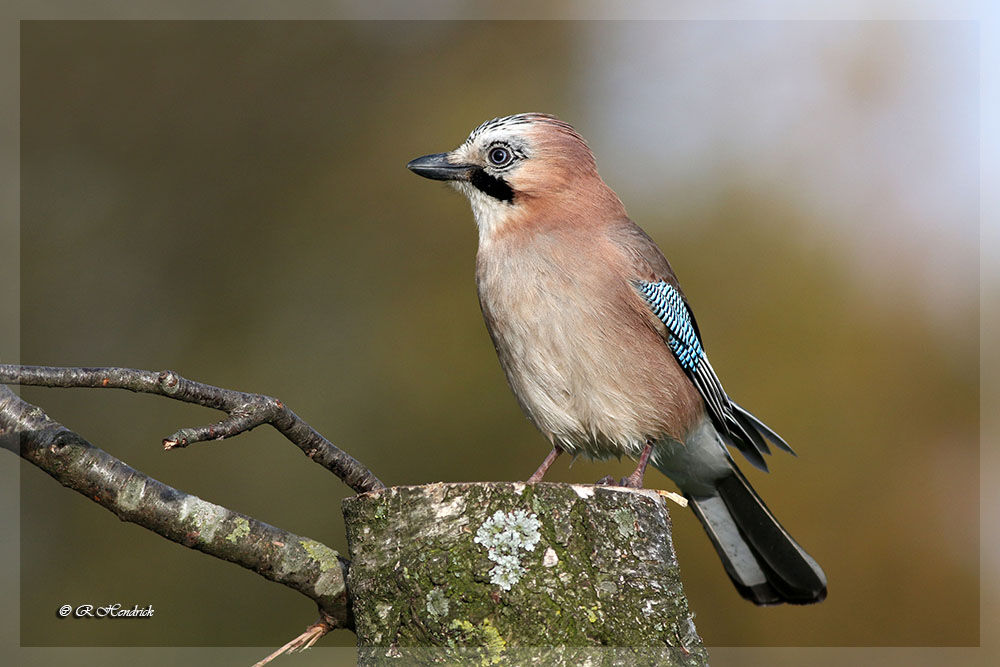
[[669, 307]]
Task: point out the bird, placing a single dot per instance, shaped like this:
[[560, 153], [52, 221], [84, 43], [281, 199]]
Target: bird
[[600, 346]]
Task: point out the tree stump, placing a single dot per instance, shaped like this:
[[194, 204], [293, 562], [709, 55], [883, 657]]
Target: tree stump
[[489, 570]]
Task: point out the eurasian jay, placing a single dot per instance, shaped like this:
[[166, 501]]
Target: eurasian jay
[[600, 346]]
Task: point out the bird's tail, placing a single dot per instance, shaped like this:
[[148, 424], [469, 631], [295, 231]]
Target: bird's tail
[[765, 563]]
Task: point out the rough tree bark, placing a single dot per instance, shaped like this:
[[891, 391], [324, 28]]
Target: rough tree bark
[[505, 566]]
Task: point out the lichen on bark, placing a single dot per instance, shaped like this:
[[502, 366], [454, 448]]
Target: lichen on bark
[[600, 572]]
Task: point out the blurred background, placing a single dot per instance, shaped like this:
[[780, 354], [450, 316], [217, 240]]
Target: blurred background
[[229, 200]]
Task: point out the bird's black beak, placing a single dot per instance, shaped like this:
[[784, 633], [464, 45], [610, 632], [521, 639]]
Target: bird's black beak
[[437, 167]]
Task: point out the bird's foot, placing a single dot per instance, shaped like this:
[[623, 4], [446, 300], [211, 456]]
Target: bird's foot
[[633, 481], [628, 482]]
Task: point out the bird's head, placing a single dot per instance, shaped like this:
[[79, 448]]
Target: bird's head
[[521, 167]]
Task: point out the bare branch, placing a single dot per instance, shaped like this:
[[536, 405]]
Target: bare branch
[[245, 411], [309, 636], [308, 566]]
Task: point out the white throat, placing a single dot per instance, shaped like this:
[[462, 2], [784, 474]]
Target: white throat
[[490, 213]]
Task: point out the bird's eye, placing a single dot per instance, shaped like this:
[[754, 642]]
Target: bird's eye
[[500, 156]]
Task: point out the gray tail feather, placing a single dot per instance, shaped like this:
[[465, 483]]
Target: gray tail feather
[[766, 565]]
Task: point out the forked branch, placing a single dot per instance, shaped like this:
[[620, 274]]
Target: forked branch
[[244, 411]]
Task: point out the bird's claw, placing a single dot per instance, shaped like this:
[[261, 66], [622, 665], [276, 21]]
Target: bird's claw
[[632, 482]]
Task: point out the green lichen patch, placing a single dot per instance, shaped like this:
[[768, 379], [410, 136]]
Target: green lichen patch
[[626, 522], [240, 530], [322, 554], [463, 634], [437, 603]]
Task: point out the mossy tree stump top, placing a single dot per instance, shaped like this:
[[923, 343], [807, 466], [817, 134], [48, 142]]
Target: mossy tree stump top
[[505, 565]]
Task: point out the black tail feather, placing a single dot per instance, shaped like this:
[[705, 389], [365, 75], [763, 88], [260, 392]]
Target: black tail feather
[[745, 416], [766, 565]]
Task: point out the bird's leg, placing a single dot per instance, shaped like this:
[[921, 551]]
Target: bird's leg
[[542, 469], [634, 481]]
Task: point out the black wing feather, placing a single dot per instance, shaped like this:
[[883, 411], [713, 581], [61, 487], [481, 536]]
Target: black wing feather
[[743, 430]]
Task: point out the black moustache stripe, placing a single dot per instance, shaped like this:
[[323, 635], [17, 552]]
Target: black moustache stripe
[[491, 185]]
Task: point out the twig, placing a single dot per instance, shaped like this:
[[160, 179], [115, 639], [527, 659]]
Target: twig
[[305, 565], [310, 636], [245, 411]]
